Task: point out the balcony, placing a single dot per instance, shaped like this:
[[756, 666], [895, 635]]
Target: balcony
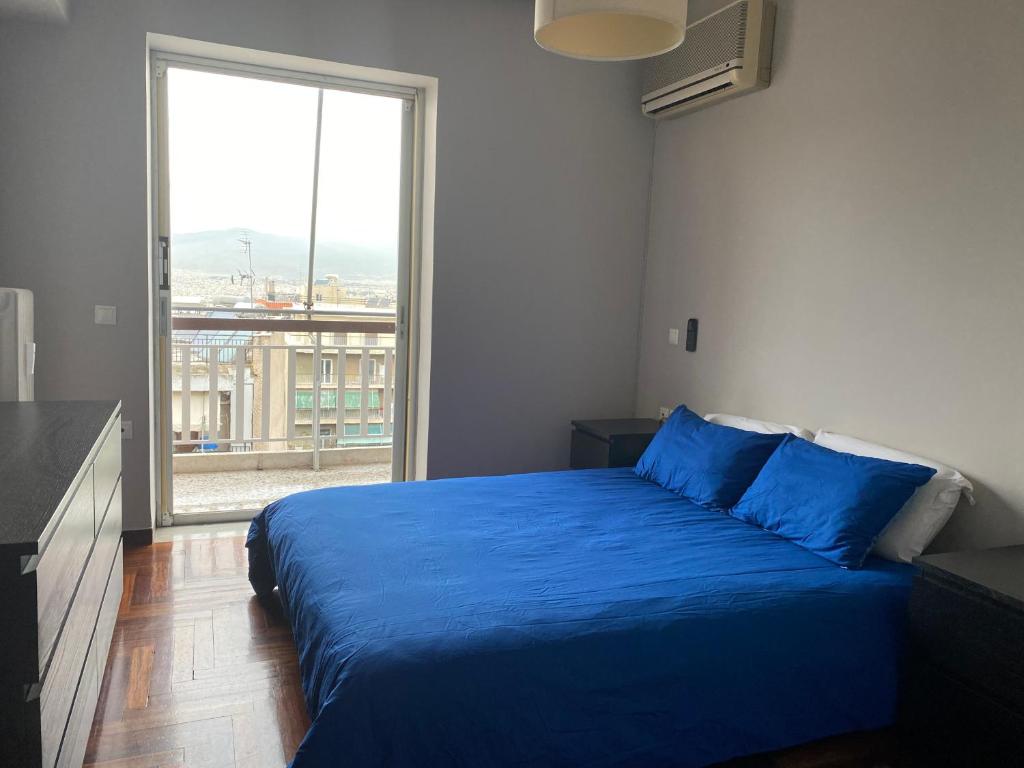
[[240, 492], [261, 408]]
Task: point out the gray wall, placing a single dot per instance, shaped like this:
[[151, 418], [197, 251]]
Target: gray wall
[[542, 178], [852, 240]]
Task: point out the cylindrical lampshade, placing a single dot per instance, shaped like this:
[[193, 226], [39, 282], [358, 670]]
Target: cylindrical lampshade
[[609, 30]]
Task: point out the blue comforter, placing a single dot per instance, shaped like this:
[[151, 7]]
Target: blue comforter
[[569, 618]]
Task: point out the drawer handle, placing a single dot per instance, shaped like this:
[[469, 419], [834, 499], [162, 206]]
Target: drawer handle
[[29, 563]]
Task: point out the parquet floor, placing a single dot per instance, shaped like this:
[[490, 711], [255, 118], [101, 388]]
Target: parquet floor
[[201, 675]]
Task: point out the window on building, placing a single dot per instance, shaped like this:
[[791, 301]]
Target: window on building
[[328, 399], [354, 399]]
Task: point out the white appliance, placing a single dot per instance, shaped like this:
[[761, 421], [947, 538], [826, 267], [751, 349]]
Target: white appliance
[[725, 54], [17, 345]]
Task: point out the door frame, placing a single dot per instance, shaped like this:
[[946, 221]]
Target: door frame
[[415, 268]]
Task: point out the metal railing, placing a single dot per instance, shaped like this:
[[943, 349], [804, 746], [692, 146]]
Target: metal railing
[[352, 380], [252, 394]]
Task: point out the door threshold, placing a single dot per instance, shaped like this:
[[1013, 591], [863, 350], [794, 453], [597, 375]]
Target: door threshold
[[190, 532], [205, 518]]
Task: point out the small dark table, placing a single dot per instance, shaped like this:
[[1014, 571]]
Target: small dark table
[[606, 443], [963, 697]]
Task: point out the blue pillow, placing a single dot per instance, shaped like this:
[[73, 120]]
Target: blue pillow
[[834, 504], [710, 464]]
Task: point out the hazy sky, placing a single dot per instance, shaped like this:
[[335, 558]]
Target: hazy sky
[[241, 155]]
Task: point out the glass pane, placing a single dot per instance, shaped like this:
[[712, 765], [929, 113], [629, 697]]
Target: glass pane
[[356, 264], [241, 154]]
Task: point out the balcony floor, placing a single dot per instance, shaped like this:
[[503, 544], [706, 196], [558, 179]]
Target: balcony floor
[[227, 492]]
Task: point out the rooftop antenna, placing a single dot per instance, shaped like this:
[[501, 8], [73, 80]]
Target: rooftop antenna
[[250, 276]]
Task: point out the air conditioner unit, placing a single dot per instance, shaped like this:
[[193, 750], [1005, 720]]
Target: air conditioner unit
[[724, 54]]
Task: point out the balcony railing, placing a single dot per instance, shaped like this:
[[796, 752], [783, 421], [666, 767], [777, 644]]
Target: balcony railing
[[248, 387], [352, 380]]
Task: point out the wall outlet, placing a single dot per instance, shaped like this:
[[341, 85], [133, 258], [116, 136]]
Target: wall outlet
[[126, 430], [673, 337], [664, 413]]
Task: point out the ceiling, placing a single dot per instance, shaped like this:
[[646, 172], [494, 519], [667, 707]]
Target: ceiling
[[41, 10], [57, 10]]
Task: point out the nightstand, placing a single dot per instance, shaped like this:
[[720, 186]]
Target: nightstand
[[605, 443], [963, 696]]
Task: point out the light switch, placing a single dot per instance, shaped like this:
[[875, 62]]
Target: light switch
[[673, 337], [105, 315]]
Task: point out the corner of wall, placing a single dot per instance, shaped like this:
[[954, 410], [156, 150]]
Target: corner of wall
[[645, 249]]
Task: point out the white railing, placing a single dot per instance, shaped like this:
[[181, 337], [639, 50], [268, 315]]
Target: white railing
[[249, 394]]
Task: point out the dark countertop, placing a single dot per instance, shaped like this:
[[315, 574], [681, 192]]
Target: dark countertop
[[997, 573], [43, 446], [608, 428]]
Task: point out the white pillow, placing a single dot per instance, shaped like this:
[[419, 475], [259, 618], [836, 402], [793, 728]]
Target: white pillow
[[756, 425], [927, 511]]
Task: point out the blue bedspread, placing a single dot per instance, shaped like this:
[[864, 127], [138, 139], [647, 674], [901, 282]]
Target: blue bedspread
[[569, 618]]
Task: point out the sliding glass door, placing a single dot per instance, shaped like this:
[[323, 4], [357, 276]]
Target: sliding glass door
[[284, 217]]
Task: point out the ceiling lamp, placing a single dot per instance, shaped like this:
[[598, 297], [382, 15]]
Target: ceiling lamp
[[609, 30]]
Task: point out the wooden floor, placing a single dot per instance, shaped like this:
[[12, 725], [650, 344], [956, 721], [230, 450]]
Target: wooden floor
[[858, 750], [202, 675]]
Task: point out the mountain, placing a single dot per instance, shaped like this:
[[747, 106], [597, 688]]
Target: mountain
[[220, 252]]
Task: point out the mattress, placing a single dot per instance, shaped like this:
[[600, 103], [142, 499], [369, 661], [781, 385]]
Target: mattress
[[567, 618]]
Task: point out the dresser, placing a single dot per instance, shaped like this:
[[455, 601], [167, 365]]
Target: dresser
[[963, 696], [606, 443], [60, 574]]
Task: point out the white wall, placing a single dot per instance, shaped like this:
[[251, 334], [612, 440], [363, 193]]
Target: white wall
[[852, 240], [540, 209]]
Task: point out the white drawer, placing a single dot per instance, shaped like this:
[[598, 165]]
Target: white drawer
[[107, 538], [61, 565], [76, 737], [108, 613], [71, 650], [107, 469]]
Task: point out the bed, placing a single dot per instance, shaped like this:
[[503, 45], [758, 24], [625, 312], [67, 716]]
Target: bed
[[567, 619]]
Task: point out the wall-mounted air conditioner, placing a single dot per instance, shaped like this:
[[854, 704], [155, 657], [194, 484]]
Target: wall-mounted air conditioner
[[724, 55]]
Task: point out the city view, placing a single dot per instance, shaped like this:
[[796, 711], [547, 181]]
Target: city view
[[278, 365], [286, 365], [225, 267]]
